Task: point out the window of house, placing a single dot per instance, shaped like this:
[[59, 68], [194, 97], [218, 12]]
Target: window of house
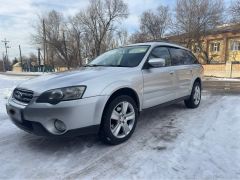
[[215, 47], [235, 45]]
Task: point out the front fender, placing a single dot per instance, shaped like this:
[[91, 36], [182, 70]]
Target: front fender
[[115, 86]]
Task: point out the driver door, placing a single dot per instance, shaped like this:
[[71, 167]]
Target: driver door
[[159, 82]]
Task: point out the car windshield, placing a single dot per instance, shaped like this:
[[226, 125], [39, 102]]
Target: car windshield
[[129, 56]]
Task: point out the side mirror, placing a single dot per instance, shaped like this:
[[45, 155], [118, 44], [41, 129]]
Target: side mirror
[[157, 62]]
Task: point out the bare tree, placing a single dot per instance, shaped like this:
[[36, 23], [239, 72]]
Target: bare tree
[[122, 37], [100, 18], [69, 42], [33, 59], [193, 18], [77, 31], [46, 29], [153, 25], [235, 11], [61, 38], [117, 39], [57, 37], [138, 37]]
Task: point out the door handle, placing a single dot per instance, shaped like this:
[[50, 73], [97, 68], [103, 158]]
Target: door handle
[[172, 72]]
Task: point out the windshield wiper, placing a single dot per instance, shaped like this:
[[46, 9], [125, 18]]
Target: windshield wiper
[[116, 65], [104, 65]]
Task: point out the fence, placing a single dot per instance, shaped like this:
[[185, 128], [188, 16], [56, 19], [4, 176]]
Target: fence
[[37, 69], [227, 70]]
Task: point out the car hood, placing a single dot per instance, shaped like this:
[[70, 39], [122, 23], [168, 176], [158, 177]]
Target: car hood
[[68, 78]]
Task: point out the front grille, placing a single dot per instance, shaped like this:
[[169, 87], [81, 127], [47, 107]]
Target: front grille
[[23, 95]]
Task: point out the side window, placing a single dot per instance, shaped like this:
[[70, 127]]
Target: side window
[[188, 59], [191, 59], [177, 55], [161, 52]]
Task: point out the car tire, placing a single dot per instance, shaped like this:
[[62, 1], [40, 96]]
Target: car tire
[[195, 98], [117, 127]]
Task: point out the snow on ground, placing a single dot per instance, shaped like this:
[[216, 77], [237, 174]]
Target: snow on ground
[[25, 73], [169, 143]]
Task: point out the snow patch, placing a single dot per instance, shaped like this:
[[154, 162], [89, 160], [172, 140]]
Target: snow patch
[[169, 143]]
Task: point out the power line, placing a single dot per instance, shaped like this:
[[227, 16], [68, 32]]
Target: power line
[[6, 46]]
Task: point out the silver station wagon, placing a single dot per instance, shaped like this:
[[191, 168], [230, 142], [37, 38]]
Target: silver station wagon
[[107, 95]]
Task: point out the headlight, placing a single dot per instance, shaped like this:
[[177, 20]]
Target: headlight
[[54, 96]]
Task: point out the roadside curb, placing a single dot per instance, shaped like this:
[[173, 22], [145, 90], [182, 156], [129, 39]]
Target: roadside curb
[[221, 79]]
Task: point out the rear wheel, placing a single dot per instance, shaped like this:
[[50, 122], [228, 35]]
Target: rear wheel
[[195, 97], [119, 120]]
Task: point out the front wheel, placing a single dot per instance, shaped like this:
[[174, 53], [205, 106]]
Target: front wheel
[[119, 120], [195, 97]]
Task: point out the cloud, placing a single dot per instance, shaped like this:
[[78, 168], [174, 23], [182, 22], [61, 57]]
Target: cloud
[[18, 16], [136, 7]]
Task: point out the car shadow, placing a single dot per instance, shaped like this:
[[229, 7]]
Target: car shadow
[[50, 145]]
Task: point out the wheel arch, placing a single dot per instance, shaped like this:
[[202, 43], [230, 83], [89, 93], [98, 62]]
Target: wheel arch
[[123, 91], [198, 79]]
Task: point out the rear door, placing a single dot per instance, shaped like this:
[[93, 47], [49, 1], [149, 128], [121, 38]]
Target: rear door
[[159, 82], [182, 64]]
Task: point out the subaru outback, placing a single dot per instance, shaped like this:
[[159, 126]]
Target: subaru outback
[[107, 95]]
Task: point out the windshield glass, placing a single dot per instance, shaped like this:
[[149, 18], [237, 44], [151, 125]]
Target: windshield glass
[[122, 57]]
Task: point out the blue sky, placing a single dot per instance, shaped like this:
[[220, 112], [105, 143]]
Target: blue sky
[[17, 18]]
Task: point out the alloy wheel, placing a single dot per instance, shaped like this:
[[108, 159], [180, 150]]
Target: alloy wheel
[[122, 119], [197, 95]]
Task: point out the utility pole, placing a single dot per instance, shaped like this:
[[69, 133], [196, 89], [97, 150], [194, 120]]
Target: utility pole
[[44, 42], [20, 53], [6, 51], [39, 54], [39, 60], [3, 62]]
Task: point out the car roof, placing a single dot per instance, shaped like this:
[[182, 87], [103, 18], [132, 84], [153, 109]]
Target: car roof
[[154, 44]]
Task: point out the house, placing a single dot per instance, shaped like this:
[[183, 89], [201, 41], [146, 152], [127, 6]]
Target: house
[[221, 44], [17, 67]]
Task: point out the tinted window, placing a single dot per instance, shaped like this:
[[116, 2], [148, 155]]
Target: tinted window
[[190, 58], [182, 57], [177, 56], [161, 52], [187, 58]]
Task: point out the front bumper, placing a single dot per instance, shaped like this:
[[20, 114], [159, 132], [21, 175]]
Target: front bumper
[[81, 116], [38, 129]]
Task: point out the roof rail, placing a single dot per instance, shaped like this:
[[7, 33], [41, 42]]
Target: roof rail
[[165, 40]]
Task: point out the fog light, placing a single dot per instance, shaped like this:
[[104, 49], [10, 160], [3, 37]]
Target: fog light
[[59, 125]]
